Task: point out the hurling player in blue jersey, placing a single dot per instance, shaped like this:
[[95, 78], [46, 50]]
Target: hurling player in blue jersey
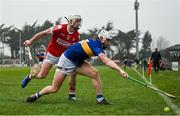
[[73, 60]]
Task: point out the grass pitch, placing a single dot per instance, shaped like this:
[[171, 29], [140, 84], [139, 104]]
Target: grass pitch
[[127, 97]]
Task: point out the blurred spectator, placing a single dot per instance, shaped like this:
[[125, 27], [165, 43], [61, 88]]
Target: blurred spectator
[[137, 61], [40, 56], [156, 58], [125, 61], [145, 64]]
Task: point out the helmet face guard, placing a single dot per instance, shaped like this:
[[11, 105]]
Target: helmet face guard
[[105, 34], [107, 38], [75, 21]]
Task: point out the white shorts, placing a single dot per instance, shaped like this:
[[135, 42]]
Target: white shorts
[[51, 59], [65, 65]]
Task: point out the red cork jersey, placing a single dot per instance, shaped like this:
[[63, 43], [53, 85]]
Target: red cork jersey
[[61, 39]]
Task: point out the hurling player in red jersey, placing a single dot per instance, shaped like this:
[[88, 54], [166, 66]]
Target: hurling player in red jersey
[[63, 36]]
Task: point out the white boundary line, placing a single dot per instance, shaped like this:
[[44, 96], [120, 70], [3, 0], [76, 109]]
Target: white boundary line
[[166, 99]]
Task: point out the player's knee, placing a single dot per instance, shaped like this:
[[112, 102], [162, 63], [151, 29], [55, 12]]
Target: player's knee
[[42, 75], [94, 73], [54, 89]]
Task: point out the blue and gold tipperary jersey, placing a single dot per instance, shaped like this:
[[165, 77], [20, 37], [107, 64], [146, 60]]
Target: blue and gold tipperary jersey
[[83, 50]]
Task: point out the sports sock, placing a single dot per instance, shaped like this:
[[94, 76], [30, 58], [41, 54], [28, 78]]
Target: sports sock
[[99, 98], [38, 95], [72, 94], [28, 77]]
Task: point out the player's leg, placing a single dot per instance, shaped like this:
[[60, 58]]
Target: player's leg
[[45, 67], [155, 67], [158, 66], [72, 87], [56, 84], [43, 73], [48, 62], [90, 71], [64, 66]]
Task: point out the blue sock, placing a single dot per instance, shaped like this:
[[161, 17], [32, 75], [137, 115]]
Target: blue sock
[[99, 98]]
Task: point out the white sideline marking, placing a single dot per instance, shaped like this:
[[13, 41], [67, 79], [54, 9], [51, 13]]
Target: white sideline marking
[[166, 99]]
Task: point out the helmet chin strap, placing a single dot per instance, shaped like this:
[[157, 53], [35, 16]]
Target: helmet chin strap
[[74, 27]]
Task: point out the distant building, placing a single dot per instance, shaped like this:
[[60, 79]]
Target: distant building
[[172, 53], [169, 55]]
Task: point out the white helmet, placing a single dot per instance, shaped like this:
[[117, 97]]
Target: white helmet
[[73, 17], [104, 34]]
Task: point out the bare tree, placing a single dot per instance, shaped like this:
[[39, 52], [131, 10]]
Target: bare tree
[[162, 43]]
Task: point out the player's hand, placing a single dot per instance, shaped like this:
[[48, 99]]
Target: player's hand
[[27, 42], [123, 73]]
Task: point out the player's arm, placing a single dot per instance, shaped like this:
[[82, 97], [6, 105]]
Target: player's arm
[[110, 63], [38, 36]]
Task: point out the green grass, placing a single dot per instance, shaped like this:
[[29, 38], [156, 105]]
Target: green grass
[[127, 96]]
